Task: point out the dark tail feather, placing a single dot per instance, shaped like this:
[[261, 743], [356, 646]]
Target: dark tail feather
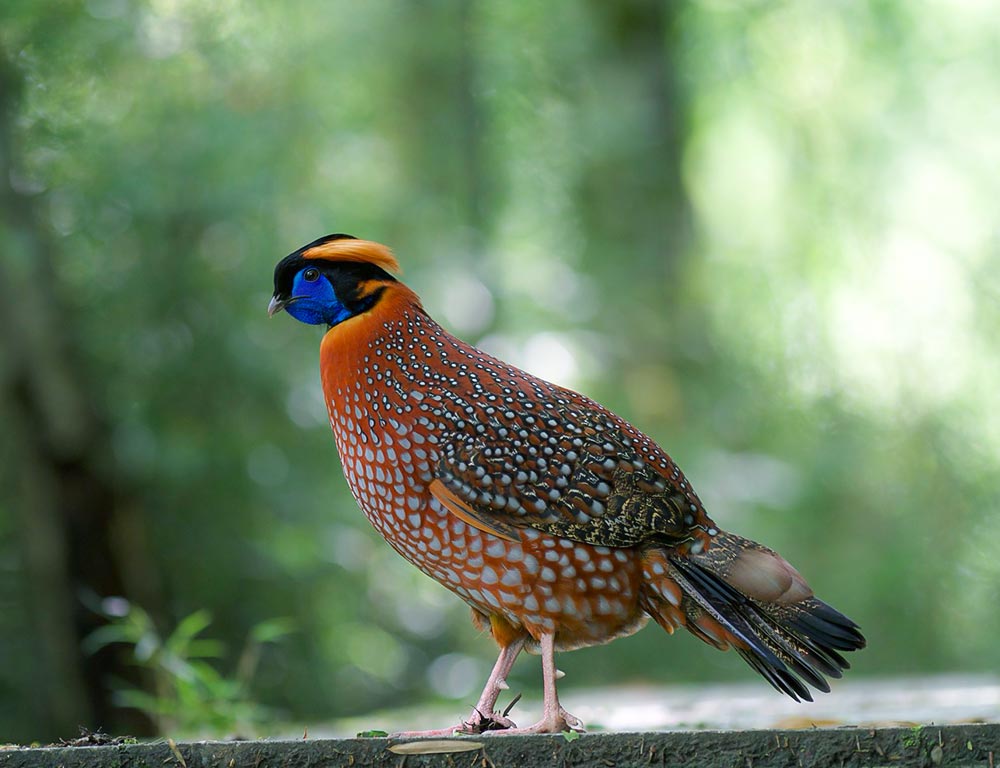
[[768, 616]]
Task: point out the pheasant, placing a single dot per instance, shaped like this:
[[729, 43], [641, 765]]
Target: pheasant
[[558, 522]]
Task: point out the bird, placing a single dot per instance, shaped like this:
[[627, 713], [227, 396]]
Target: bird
[[560, 523]]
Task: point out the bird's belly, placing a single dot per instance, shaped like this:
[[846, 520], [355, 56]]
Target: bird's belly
[[586, 594]]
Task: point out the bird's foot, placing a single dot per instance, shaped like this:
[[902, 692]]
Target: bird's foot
[[570, 722], [556, 721], [493, 722], [497, 724], [476, 724]]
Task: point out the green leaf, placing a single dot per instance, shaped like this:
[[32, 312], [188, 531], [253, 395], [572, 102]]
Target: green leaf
[[189, 628], [273, 629], [373, 734], [206, 649], [570, 735], [107, 635]]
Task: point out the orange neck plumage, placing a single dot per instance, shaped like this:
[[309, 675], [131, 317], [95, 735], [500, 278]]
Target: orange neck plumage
[[344, 347]]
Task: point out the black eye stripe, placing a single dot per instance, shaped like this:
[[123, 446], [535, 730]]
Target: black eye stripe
[[345, 276]]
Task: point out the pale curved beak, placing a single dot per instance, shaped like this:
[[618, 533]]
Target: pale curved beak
[[276, 305]]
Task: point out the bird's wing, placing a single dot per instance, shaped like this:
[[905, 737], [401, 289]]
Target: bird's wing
[[570, 471]]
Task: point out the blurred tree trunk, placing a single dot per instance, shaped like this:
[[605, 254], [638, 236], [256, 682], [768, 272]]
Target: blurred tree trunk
[[640, 46], [472, 119], [78, 536], [639, 217], [439, 89]]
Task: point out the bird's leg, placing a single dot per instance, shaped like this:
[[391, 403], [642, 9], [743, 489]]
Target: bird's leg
[[555, 719], [483, 717]]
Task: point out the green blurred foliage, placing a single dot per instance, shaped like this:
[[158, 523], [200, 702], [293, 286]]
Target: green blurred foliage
[[763, 232], [188, 695]]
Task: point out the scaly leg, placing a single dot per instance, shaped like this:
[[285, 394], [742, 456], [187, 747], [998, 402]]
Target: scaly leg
[[483, 717], [555, 719], [484, 714]]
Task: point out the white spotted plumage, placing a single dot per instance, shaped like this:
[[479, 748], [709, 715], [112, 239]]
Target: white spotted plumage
[[431, 387]]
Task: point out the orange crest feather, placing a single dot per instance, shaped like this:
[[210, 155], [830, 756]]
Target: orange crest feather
[[346, 249]]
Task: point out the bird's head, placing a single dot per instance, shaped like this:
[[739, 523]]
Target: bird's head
[[332, 279]]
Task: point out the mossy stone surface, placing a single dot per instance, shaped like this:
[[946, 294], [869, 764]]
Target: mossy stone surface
[[929, 745]]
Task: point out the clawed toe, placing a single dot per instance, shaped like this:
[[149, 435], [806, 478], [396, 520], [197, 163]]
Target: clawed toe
[[493, 722], [570, 722], [474, 726], [497, 724], [558, 722]]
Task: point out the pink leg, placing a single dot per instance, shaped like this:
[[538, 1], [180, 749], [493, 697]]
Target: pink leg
[[555, 719], [483, 716], [484, 709]]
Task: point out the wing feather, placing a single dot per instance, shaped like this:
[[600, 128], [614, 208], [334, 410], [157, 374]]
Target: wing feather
[[570, 471], [467, 513]]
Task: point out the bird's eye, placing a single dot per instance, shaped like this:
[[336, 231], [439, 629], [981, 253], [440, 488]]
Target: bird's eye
[[311, 275]]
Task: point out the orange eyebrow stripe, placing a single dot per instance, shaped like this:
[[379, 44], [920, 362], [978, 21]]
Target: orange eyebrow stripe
[[462, 511], [367, 251], [368, 287]]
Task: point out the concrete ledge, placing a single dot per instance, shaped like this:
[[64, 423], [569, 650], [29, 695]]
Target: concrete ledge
[[949, 745]]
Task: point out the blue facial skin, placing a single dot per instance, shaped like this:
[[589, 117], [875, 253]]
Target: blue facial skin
[[314, 301]]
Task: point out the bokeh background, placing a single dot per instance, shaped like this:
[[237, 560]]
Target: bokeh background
[[765, 232]]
